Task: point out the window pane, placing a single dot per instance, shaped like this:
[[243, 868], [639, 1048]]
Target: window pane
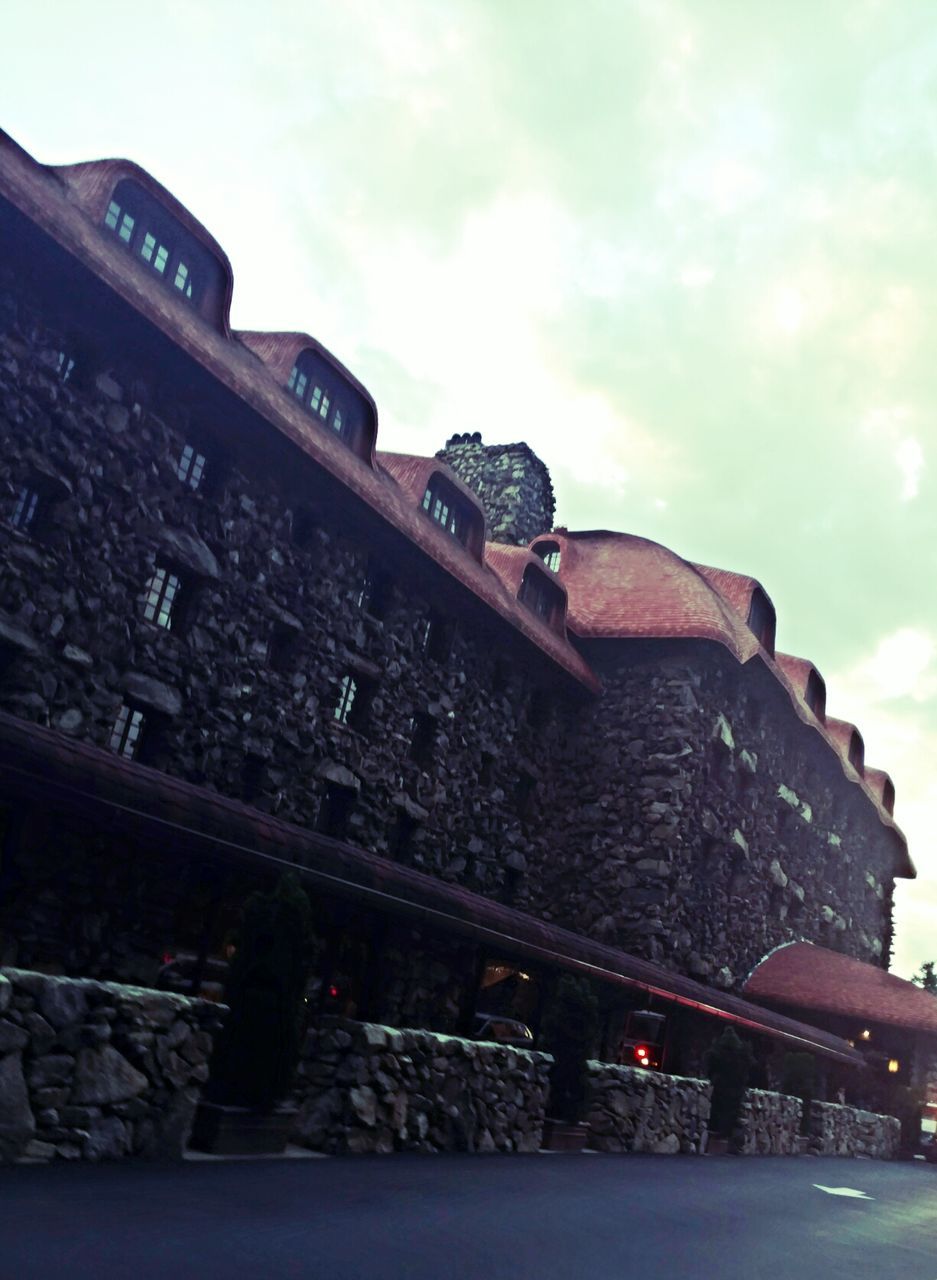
[[112, 216], [182, 276], [337, 421], [149, 244], [25, 506], [291, 382]]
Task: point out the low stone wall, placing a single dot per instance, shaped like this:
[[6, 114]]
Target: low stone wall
[[846, 1131], [631, 1109], [95, 1070], [363, 1087], [769, 1124]]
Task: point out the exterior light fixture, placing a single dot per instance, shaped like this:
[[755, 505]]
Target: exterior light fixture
[[866, 1034], [893, 1065]]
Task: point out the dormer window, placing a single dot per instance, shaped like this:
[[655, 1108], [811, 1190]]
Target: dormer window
[[540, 596], [815, 696], [549, 553], [761, 620], [888, 795], [327, 397], [151, 233], [448, 509]]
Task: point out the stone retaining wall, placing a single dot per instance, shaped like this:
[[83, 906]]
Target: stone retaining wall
[[635, 1110], [846, 1131], [769, 1124], [95, 1070], [364, 1087]]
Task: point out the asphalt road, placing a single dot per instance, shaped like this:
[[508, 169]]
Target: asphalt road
[[448, 1217]]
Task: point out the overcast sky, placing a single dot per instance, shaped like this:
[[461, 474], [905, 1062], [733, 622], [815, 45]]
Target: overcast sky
[[685, 250]]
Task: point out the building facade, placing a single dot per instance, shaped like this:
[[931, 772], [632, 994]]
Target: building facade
[[235, 636]]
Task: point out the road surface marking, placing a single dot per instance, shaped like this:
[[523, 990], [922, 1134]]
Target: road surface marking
[[843, 1191]]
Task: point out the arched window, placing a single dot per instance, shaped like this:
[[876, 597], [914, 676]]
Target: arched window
[[549, 553], [160, 241]]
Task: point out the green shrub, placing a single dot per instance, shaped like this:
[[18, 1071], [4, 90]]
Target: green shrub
[[259, 1046], [728, 1066], [799, 1079], [569, 1033]]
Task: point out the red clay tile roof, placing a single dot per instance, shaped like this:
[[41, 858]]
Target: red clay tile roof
[[798, 672], [43, 195], [843, 734], [735, 588], [73, 775], [803, 975], [278, 351], [624, 587], [882, 786]]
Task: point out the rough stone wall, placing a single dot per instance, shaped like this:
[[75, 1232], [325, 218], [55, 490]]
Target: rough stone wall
[[769, 1124], [845, 1131], [630, 1109], [699, 824], [93, 1070], [513, 484], [76, 644], [364, 1087]]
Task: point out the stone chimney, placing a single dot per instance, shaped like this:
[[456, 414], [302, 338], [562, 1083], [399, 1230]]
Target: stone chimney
[[512, 483]]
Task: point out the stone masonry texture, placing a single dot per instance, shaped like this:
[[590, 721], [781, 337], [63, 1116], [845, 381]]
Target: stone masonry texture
[[94, 1070], [368, 1088], [513, 484]]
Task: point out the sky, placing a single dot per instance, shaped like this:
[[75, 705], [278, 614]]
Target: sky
[[684, 249]]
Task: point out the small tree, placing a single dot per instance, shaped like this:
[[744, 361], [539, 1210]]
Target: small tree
[[569, 1032], [259, 1046], [728, 1064], [799, 1079], [926, 977]]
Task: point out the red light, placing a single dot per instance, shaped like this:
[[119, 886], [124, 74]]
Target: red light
[[167, 958], [333, 992], [641, 1052]]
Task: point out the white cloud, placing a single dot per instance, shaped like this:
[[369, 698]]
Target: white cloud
[[910, 459]]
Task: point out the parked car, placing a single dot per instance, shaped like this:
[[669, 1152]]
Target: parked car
[[492, 1026]]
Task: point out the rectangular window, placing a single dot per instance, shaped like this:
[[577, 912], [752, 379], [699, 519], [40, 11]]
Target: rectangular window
[[402, 836], [355, 692], [422, 739], [65, 365], [253, 777], [161, 600], [337, 421], [25, 510], [156, 254], [119, 222], [319, 402], [524, 795], [191, 466], [436, 636], [348, 691], [182, 280], [300, 384], [443, 508], [335, 810], [127, 732]]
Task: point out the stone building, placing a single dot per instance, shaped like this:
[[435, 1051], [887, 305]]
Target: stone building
[[235, 637]]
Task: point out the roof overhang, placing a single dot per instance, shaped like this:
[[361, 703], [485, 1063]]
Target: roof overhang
[[47, 767]]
